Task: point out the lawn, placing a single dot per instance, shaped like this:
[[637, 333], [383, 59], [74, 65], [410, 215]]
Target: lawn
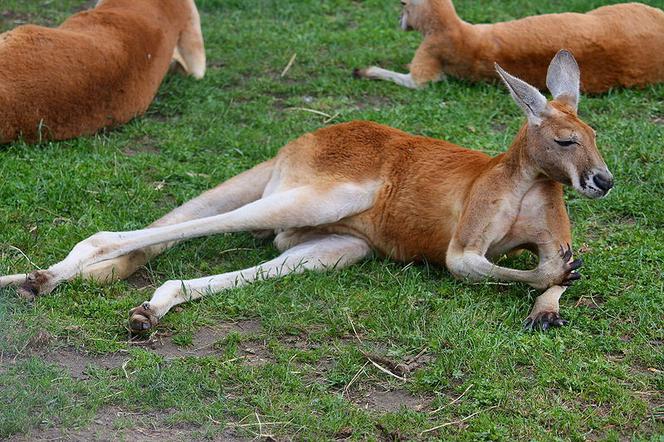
[[290, 358]]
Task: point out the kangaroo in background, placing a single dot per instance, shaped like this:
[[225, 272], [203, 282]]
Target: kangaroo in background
[[617, 45], [100, 68], [334, 196]]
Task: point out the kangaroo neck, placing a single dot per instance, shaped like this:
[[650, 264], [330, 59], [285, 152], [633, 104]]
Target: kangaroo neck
[[518, 168], [442, 18]]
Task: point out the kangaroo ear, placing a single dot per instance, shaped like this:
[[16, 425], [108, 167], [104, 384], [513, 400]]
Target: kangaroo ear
[[562, 78], [532, 102]]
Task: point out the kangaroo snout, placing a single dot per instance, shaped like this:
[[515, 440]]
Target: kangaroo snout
[[604, 181], [597, 183]]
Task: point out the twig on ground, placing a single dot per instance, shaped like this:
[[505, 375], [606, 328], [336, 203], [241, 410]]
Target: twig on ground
[[447, 424], [24, 255], [231, 424], [385, 370], [260, 424], [332, 118], [353, 327], [453, 402], [288, 66], [313, 111], [124, 368], [345, 390], [21, 350], [417, 356]]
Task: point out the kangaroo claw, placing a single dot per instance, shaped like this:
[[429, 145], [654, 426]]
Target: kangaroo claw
[[543, 321]]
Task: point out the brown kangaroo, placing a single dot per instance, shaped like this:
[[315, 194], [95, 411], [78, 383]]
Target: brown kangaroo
[[100, 68], [335, 195], [617, 45]]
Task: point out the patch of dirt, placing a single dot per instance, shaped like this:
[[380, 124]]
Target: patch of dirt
[[114, 423], [256, 354], [89, 4], [385, 398], [161, 117], [344, 433], [373, 102], [389, 400], [13, 18], [645, 370], [216, 64], [658, 119], [627, 220], [143, 145], [140, 279], [618, 356], [299, 342], [203, 340], [391, 436], [404, 368], [590, 302], [323, 366], [78, 363], [10, 19], [498, 127], [40, 340], [279, 104]]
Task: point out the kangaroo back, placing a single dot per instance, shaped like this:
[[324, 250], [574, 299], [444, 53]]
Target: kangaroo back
[[100, 68]]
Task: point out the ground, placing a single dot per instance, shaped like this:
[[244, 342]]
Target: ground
[[298, 358]]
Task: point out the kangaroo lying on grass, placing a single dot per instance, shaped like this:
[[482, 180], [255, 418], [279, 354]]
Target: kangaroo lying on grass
[[100, 68], [335, 195], [630, 35]]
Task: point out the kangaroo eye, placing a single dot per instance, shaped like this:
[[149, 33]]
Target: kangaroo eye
[[565, 143]]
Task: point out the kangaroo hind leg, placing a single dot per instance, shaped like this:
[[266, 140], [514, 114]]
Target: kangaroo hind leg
[[229, 195], [320, 252]]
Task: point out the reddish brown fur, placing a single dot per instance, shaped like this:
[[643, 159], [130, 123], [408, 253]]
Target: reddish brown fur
[[100, 68], [426, 184], [617, 45]]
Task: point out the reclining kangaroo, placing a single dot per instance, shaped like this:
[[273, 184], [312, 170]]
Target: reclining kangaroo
[[100, 68], [631, 35], [335, 195]]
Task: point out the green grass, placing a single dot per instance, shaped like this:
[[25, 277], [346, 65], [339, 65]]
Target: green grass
[[599, 378]]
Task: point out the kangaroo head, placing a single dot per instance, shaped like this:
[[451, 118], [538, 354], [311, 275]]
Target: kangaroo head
[[560, 145]]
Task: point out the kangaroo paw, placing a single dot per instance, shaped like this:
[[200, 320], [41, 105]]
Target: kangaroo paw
[[36, 283], [543, 321], [142, 318]]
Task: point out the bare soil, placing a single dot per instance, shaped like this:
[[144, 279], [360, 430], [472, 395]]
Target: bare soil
[[203, 340], [115, 424], [389, 399], [141, 145]]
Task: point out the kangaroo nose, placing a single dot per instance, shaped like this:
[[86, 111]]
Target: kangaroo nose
[[604, 181]]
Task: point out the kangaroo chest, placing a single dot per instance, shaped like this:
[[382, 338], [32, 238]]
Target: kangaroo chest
[[407, 230]]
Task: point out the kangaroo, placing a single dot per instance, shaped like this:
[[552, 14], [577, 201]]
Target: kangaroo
[[631, 35], [334, 196], [100, 68]]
